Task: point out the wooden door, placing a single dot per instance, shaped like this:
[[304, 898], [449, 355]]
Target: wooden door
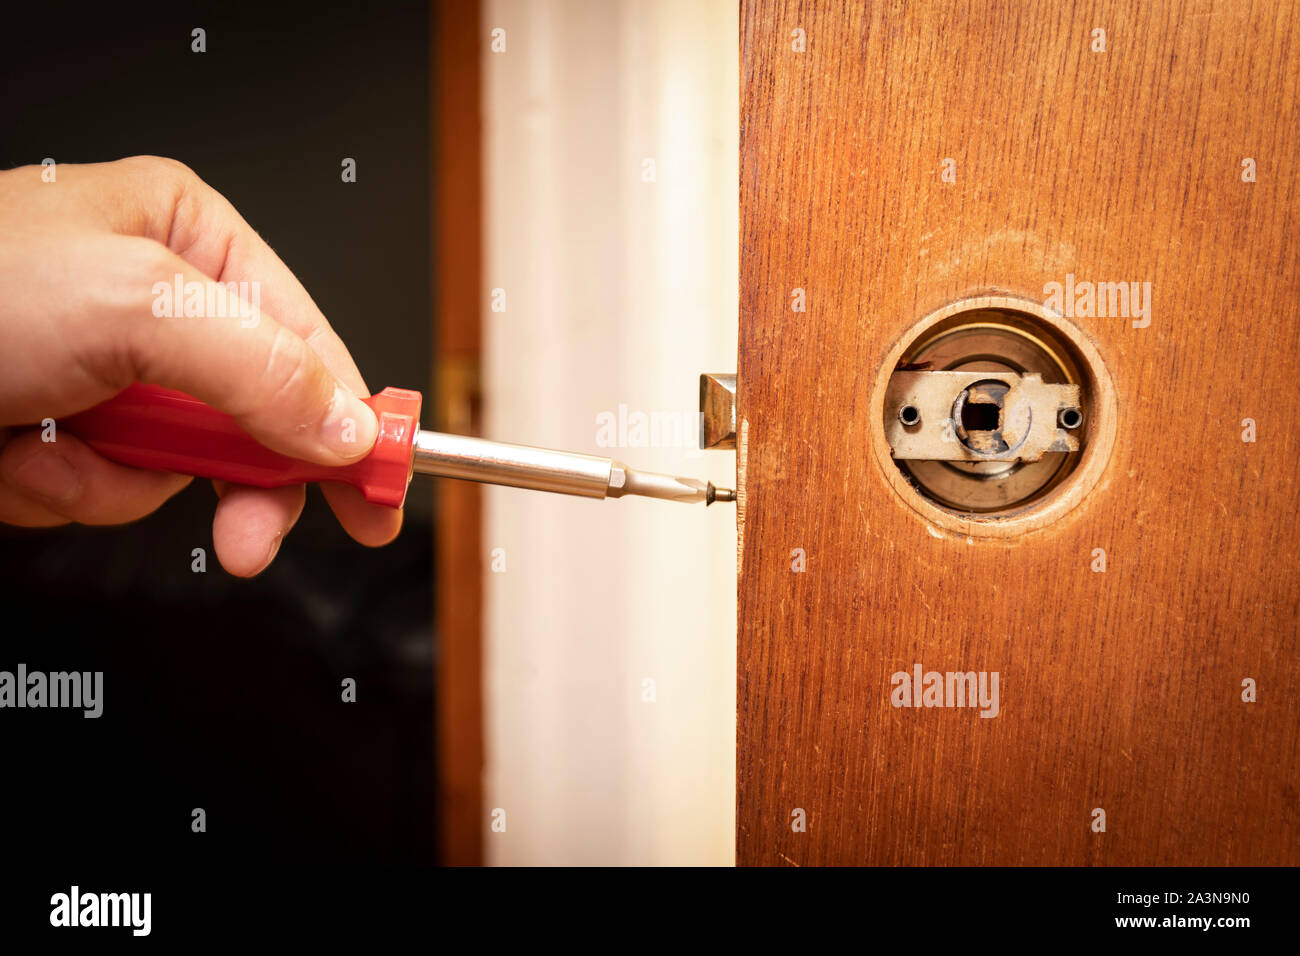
[[897, 158]]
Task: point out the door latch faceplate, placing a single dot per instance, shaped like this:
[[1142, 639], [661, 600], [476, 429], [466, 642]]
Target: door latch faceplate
[[979, 416]]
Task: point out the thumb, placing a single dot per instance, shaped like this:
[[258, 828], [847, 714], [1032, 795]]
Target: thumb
[[239, 360]]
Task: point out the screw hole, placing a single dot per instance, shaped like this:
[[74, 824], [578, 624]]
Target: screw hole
[[1070, 418], [909, 415]]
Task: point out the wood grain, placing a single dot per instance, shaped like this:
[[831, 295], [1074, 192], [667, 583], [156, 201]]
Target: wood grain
[[457, 223], [1119, 690]]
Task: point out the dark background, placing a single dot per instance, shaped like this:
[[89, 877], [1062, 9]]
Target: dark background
[[219, 693]]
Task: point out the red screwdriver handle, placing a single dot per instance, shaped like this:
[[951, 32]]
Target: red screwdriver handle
[[165, 430]]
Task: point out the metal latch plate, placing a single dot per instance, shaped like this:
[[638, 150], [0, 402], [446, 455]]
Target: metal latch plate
[[979, 416]]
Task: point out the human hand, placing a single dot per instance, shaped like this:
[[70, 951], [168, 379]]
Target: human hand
[[80, 258]]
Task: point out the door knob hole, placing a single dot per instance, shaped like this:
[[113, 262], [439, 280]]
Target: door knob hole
[[1025, 443]]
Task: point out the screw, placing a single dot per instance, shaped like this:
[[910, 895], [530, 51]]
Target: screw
[[712, 494]]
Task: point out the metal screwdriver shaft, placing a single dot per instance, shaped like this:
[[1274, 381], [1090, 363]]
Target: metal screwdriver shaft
[[545, 469], [146, 426]]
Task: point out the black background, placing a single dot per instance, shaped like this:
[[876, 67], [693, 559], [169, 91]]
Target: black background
[[219, 693]]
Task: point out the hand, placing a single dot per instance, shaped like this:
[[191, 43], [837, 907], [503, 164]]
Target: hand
[[79, 260]]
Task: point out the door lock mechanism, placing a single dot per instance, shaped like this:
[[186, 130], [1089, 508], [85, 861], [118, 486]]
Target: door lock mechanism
[[990, 407], [718, 411], [979, 416]]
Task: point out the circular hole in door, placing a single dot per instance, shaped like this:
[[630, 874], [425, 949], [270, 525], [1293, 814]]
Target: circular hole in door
[[996, 336]]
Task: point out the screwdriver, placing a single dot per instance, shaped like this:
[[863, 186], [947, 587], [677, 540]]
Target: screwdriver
[[148, 426]]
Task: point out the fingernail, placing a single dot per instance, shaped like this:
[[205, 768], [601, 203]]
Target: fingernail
[[349, 428], [47, 474], [275, 549]]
